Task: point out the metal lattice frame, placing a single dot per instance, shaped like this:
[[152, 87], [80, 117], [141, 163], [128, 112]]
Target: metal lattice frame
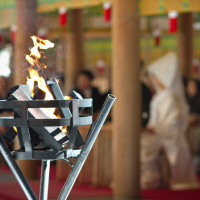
[[26, 121], [71, 110]]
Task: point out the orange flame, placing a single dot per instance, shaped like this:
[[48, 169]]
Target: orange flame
[[67, 97], [64, 129], [33, 59], [40, 44]]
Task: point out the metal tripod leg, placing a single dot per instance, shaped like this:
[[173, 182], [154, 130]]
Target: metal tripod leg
[[92, 135], [16, 171], [44, 182]]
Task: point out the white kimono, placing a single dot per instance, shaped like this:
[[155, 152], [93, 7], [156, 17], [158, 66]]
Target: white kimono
[[169, 120]]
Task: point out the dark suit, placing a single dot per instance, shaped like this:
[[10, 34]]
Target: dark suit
[[98, 99], [146, 99]]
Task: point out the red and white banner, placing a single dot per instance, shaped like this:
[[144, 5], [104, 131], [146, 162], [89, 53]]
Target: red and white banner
[[43, 33], [156, 34], [1, 38], [13, 33], [100, 66], [173, 21], [107, 11], [196, 65], [63, 16]]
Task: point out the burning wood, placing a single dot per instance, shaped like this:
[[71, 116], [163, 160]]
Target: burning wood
[[75, 136], [57, 94], [52, 136]]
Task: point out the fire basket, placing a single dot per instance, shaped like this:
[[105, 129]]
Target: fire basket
[[41, 137]]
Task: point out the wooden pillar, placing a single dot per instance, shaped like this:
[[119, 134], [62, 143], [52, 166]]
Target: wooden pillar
[[185, 47], [26, 21], [127, 109], [75, 52]]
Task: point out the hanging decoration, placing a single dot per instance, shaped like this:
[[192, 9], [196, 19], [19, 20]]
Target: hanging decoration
[[43, 33], [100, 66], [156, 34], [63, 16], [13, 34], [173, 21], [1, 38], [107, 11], [196, 65]]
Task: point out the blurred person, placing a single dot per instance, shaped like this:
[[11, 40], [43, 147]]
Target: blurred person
[[4, 89], [193, 99], [184, 81], [147, 92], [193, 96], [167, 125], [4, 93], [86, 90]]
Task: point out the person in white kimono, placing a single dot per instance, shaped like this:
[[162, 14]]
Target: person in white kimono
[[167, 125]]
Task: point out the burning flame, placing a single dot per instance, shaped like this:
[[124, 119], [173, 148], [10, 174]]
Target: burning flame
[[15, 128], [33, 59], [34, 76], [40, 44], [35, 54], [67, 97]]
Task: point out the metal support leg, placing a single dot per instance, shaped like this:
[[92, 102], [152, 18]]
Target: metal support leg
[[16, 171], [94, 131], [44, 182]]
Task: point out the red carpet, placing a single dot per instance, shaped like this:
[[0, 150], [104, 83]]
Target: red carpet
[[12, 191], [171, 195]]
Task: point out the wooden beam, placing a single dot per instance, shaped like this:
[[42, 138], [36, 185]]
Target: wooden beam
[[156, 7]]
